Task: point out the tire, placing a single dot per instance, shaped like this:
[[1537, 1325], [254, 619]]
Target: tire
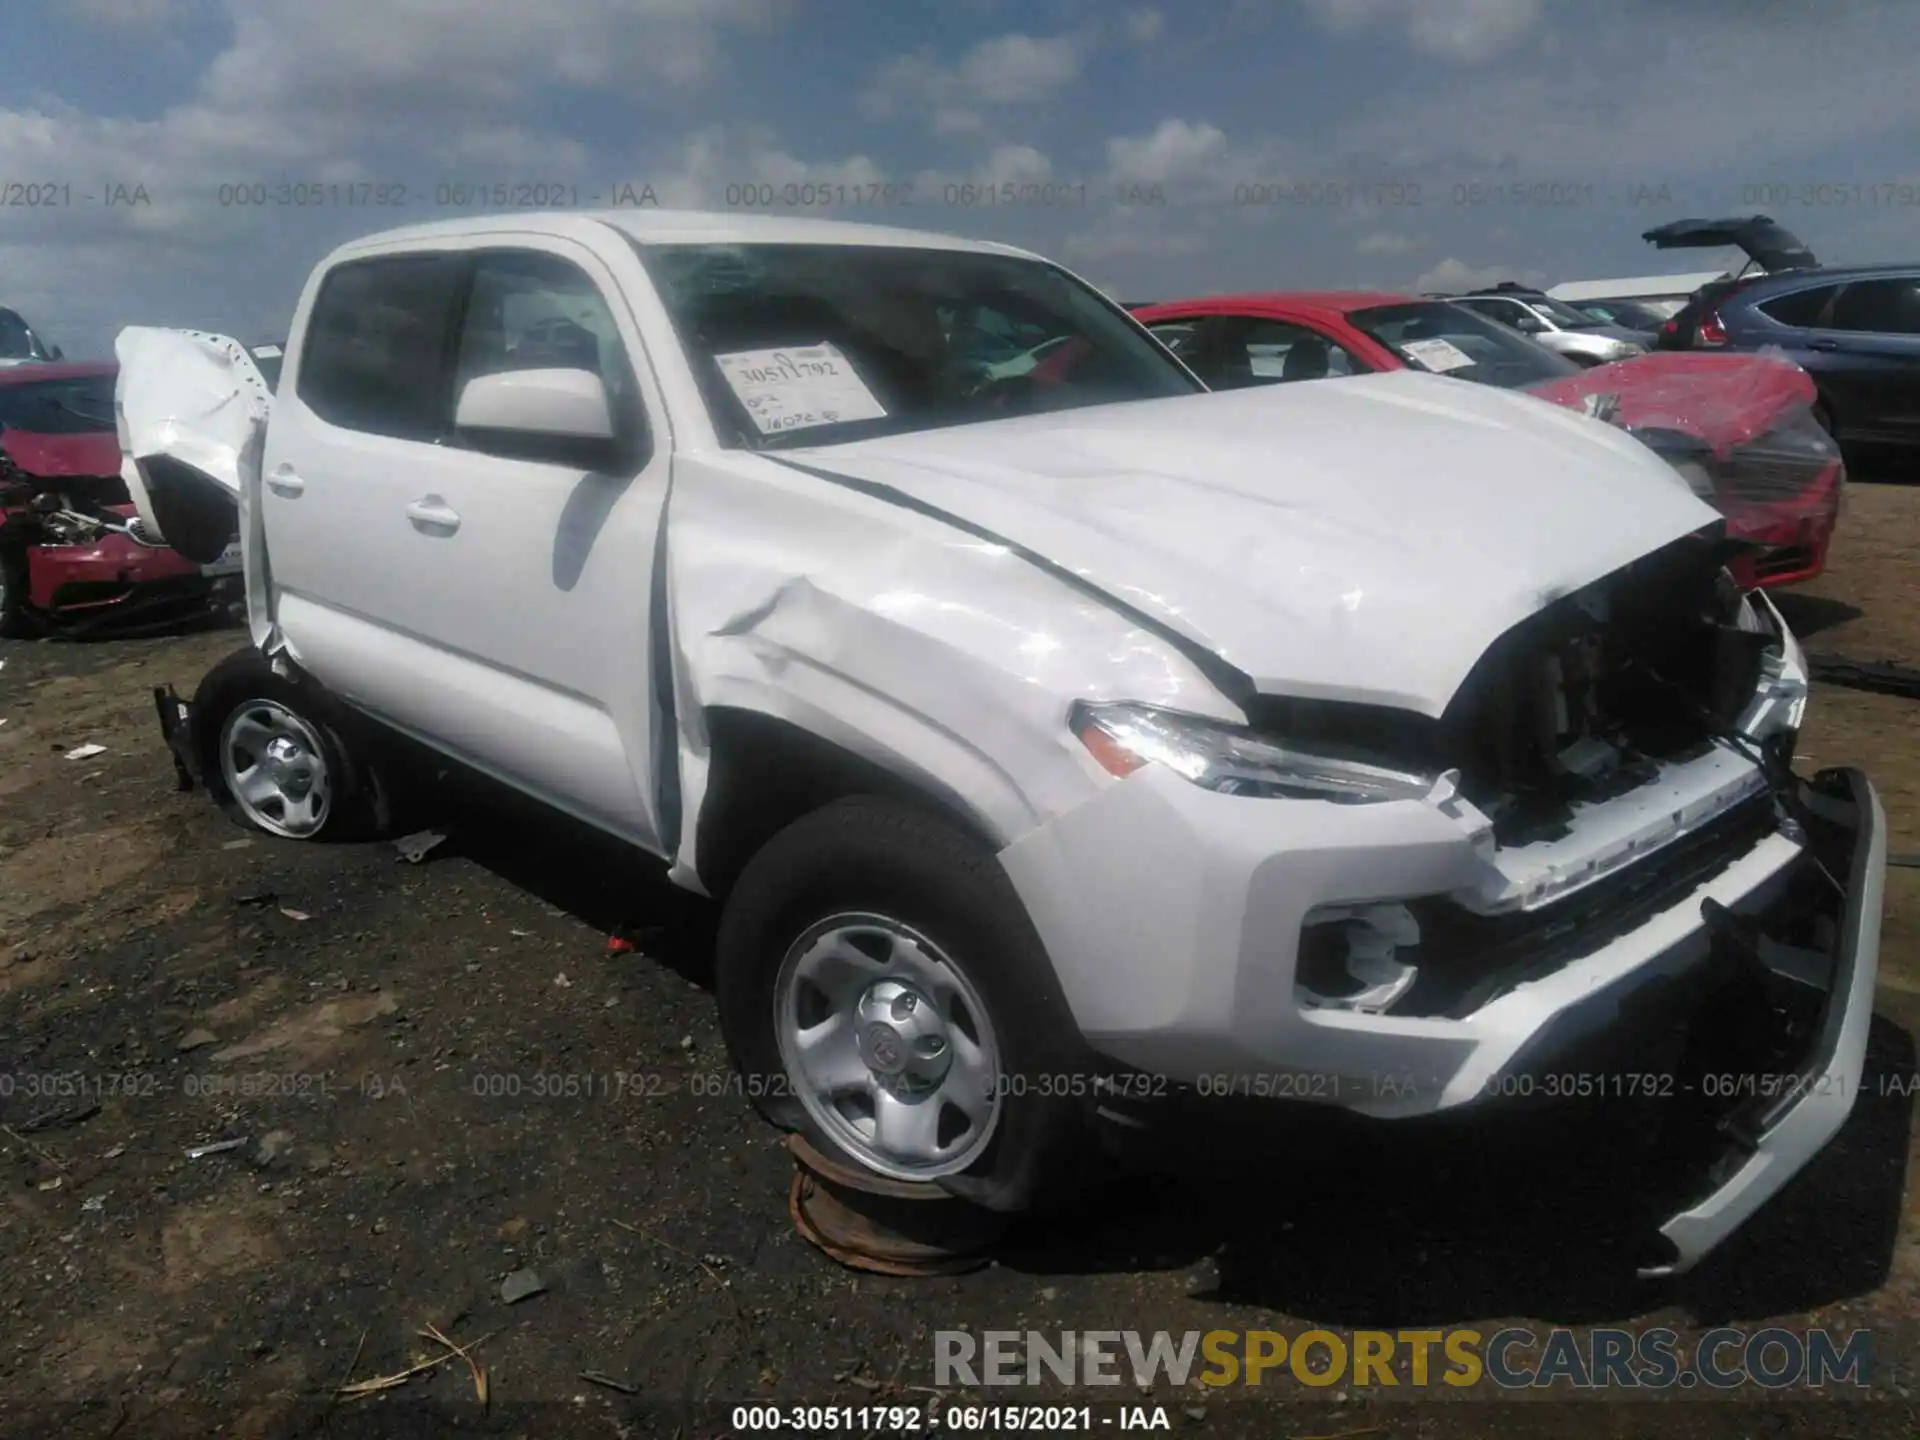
[[241, 706], [892, 881], [16, 619]]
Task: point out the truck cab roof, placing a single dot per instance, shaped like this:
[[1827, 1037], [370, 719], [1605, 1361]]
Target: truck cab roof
[[649, 226]]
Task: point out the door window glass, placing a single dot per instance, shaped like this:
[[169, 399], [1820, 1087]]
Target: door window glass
[[1268, 352], [1882, 307], [1800, 309], [374, 358]]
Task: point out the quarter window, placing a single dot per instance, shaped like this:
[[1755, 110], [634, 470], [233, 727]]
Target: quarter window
[[1800, 309]]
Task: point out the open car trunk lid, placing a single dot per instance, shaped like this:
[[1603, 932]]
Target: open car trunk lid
[[1764, 240]]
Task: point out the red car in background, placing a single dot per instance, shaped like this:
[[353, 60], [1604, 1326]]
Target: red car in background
[[74, 556], [1740, 428]]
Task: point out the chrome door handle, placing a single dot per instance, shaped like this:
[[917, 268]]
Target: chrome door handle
[[285, 482], [431, 513]]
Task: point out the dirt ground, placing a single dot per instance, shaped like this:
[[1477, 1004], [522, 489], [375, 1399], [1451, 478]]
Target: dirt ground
[[443, 1077]]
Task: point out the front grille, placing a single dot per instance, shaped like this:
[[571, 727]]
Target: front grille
[[1467, 960]]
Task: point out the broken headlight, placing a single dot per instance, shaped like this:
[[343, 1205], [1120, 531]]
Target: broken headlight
[[1124, 737]]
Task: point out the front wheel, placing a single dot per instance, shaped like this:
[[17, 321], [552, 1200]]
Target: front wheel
[[274, 754], [882, 990]]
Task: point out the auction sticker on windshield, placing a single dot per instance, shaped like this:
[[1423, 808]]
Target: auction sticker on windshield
[[1439, 356], [791, 389]]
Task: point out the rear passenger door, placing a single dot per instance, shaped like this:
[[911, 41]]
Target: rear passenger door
[[1867, 359], [492, 597]]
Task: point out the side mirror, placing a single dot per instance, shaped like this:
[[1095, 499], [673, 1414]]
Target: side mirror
[[549, 404], [54, 352]]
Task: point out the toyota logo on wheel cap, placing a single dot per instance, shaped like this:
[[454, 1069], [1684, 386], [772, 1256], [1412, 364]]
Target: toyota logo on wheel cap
[[883, 1045]]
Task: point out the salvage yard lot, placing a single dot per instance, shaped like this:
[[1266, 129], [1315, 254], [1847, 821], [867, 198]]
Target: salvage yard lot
[[444, 1076]]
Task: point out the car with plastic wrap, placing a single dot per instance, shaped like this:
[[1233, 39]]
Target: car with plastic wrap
[[75, 558], [1036, 733], [1744, 430]]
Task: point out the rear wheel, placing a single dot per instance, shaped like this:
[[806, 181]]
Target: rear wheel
[[882, 990], [275, 755]]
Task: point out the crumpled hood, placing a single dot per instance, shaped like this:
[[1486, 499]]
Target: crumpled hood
[[1358, 539], [55, 457]]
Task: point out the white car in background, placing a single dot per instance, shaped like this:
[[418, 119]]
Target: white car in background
[[1054, 740]]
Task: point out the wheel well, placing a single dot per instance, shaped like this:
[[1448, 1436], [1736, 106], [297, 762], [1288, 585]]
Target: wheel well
[[764, 773]]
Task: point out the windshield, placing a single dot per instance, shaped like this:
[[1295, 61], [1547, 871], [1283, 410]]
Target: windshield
[[1564, 316], [1453, 340], [80, 406], [820, 344]]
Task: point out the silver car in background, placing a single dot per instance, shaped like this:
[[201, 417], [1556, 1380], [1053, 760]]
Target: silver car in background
[[1562, 329]]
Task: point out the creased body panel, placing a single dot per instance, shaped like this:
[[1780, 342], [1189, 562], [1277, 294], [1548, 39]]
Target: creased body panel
[[199, 400], [1362, 539], [946, 659]]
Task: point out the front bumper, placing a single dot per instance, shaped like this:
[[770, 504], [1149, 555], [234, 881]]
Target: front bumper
[[1184, 969], [115, 583]]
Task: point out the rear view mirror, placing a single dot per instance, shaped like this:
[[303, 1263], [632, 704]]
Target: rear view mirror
[[555, 404]]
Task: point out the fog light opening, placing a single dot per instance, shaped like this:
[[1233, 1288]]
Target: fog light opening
[[1350, 957]]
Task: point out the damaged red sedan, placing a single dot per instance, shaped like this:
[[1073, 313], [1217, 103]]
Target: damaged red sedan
[[74, 556], [1739, 428]]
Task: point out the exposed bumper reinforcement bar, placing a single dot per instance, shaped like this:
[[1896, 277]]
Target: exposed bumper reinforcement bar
[[1771, 1138]]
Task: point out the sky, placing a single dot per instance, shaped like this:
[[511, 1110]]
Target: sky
[[186, 162]]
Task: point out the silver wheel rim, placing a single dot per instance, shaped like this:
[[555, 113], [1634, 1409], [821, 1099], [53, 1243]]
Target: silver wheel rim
[[275, 769], [888, 1046]]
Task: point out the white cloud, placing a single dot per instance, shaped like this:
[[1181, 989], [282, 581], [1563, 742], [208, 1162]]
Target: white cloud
[[1452, 274], [715, 162], [1143, 27], [1017, 165], [1385, 242], [115, 14], [1175, 150], [1130, 234], [418, 92], [1008, 70], [1467, 30], [1656, 94]]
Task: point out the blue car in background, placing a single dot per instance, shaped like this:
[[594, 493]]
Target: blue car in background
[[1854, 328]]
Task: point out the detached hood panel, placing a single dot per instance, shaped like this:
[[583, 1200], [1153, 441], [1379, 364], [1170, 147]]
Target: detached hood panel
[[1358, 539], [192, 413]]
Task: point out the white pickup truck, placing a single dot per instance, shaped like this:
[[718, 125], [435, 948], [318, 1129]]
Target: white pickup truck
[[1060, 740]]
